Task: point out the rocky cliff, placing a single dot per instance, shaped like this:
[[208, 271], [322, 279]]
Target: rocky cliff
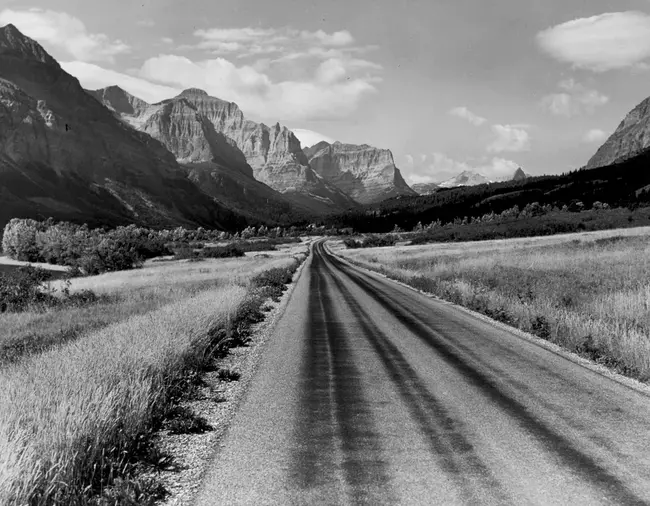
[[365, 173], [198, 128], [62, 154], [630, 138]]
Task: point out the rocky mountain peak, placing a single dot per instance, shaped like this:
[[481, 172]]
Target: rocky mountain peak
[[465, 178], [630, 138], [119, 100], [366, 173], [519, 175], [193, 92], [14, 41]]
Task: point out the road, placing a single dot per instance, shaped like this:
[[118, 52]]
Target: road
[[371, 393]]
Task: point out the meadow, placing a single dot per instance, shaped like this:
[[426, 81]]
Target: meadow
[[75, 411], [588, 292]]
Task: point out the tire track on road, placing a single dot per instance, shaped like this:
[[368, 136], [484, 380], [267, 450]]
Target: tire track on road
[[338, 440], [578, 462]]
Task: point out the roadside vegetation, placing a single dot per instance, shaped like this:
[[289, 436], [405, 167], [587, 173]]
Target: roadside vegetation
[[91, 366], [588, 292]]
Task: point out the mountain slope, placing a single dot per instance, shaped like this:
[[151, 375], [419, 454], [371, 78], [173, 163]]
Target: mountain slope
[[62, 154], [365, 173], [199, 128], [630, 138], [425, 188]]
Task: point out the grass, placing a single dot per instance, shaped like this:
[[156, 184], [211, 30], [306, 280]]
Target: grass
[[122, 295], [588, 292], [76, 419]]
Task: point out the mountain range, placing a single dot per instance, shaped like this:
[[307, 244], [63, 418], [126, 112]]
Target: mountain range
[[107, 157]]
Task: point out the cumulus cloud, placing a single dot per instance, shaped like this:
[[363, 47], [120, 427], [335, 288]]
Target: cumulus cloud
[[574, 99], [309, 137], [146, 23], [467, 115], [93, 77], [600, 43], [594, 136], [437, 167], [509, 138], [64, 34], [334, 91]]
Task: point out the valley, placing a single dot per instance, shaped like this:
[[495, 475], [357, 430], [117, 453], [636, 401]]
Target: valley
[[198, 308]]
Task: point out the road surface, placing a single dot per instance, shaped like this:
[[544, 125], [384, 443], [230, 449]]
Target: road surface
[[371, 393]]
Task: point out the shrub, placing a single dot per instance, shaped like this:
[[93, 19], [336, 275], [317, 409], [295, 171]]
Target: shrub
[[21, 289]]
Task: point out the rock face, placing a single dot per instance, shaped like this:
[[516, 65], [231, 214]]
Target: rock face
[[425, 188], [465, 178], [62, 154], [365, 173], [630, 138], [198, 128], [519, 175]]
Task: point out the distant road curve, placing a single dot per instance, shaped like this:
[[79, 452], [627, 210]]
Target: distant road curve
[[370, 393]]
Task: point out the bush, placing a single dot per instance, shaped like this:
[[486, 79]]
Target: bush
[[21, 289], [227, 251]]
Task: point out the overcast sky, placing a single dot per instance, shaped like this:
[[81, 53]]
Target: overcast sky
[[447, 85]]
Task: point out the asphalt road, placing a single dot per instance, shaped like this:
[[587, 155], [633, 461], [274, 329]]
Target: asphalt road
[[371, 393]]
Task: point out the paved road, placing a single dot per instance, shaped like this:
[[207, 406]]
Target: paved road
[[370, 393]]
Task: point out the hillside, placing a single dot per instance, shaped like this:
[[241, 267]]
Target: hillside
[[623, 184], [62, 154]]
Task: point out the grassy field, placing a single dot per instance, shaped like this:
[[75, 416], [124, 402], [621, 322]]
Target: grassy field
[[125, 294], [588, 292], [73, 414]]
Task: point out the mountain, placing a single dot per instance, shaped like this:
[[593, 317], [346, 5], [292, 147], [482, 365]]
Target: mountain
[[630, 138], [465, 178], [198, 128], [365, 173], [519, 175], [425, 188], [63, 154], [213, 162]]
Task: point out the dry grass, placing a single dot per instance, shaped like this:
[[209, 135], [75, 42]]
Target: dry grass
[[126, 294], [72, 417], [589, 292]]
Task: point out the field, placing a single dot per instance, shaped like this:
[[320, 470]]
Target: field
[[89, 382], [588, 292]]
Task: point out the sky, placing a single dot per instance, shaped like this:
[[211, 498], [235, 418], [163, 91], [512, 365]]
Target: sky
[[446, 85]]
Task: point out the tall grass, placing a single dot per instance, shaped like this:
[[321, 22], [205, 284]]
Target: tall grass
[[588, 292], [123, 294], [70, 416], [73, 417]]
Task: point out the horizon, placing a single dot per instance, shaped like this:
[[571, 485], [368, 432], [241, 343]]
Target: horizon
[[542, 96]]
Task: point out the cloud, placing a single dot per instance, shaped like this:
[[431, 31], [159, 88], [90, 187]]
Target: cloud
[[147, 23], [466, 114], [437, 167], [167, 40], [309, 137], [93, 77], [600, 43], [65, 33], [595, 136], [334, 91], [288, 42], [574, 99], [509, 138]]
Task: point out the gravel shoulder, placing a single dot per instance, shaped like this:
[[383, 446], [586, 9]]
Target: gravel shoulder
[[216, 402]]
